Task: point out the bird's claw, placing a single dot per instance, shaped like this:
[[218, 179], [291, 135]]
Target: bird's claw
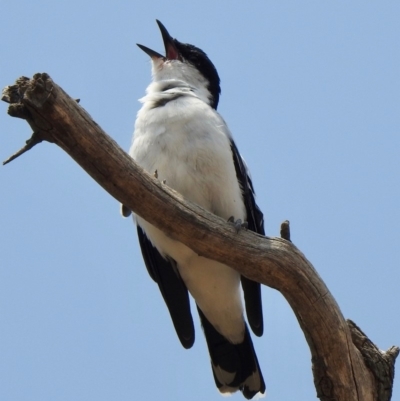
[[155, 175], [238, 224]]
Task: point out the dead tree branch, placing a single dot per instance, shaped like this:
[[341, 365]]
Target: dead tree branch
[[346, 365]]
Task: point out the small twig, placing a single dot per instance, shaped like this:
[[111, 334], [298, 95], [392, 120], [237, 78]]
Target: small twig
[[30, 143]]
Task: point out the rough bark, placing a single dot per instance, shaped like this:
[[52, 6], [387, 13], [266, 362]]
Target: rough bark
[[346, 365]]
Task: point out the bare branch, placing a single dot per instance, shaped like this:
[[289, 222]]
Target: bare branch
[[340, 369]]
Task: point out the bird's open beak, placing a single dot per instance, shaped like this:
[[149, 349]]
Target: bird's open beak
[[171, 52]]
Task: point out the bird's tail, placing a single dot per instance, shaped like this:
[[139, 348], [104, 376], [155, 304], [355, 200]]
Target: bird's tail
[[235, 366]]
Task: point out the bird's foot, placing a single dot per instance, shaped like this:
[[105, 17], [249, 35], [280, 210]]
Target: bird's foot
[[155, 175], [238, 224]]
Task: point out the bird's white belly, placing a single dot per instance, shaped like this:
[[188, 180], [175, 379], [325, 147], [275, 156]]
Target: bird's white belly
[[201, 168]]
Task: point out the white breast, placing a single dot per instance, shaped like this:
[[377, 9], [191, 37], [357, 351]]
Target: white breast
[[188, 143]]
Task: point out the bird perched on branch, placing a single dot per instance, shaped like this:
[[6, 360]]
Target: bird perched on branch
[[180, 137]]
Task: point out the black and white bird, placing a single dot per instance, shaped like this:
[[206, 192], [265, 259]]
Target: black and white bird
[[180, 135]]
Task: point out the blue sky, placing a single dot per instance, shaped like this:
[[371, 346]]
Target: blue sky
[[311, 92]]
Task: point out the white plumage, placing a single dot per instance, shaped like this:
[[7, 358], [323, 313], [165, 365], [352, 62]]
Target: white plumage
[[188, 143]]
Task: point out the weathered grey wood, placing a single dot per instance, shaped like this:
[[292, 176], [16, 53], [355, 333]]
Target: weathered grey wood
[[339, 368]]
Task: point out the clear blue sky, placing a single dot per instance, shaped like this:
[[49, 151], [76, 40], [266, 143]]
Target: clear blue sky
[[311, 92]]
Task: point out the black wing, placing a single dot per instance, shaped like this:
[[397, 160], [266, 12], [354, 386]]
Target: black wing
[[164, 273], [255, 221]]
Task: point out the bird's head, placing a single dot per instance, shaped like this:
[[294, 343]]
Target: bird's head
[[185, 62]]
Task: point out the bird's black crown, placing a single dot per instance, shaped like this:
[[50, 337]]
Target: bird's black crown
[[199, 59]]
